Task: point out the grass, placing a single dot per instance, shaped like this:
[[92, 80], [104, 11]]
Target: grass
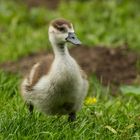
[[23, 31], [109, 118]]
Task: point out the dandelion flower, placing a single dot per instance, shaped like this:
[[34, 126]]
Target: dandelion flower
[[90, 100]]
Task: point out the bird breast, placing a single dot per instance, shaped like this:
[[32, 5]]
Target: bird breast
[[64, 76]]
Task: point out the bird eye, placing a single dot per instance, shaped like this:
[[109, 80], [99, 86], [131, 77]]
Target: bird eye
[[61, 29]]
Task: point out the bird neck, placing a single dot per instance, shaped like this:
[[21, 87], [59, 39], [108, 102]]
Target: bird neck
[[60, 50]]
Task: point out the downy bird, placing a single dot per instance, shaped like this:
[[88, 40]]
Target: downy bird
[[57, 87]]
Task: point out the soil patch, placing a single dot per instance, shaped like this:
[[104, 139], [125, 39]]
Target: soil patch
[[112, 66]]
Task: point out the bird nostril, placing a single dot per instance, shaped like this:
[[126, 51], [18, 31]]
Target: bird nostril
[[72, 37]]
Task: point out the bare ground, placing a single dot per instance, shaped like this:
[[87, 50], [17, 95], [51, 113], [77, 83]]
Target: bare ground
[[113, 66]]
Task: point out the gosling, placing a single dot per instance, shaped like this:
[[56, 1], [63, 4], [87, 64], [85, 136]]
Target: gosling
[[58, 87]]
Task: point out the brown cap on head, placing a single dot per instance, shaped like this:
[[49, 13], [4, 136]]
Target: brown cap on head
[[57, 23], [64, 28]]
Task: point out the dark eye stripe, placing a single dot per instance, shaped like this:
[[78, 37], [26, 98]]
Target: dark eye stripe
[[62, 29]]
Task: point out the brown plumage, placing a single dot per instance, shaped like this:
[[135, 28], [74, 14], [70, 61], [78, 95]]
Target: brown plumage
[[42, 68], [58, 23]]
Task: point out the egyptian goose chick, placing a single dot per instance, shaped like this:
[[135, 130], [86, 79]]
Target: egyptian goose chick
[[58, 87]]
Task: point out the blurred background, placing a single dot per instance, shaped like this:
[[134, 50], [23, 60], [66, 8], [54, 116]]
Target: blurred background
[[108, 29], [110, 55]]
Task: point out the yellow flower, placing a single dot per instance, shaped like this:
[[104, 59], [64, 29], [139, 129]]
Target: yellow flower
[[90, 100]]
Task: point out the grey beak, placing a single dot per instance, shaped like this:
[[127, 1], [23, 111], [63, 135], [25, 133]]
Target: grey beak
[[73, 39]]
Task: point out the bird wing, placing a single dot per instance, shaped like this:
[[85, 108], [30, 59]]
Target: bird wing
[[37, 71], [83, 74]]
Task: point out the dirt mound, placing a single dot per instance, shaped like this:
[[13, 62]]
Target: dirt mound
[[112, 66], [116, 66]]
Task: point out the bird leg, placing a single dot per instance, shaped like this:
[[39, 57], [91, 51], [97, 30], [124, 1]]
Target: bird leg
[[30, 107], [72, 117]]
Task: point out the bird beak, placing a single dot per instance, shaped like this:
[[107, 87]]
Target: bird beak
[[73, 39]]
